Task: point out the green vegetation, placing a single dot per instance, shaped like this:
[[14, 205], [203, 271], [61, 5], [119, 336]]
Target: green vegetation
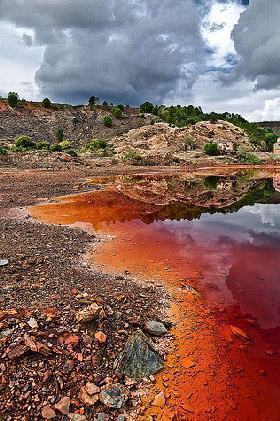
[[107, 120], [247, 158], [97, 144], [147, 107], [56, 147], [25, 142], [117, 112], [65, 144], [121, 107], [93, 101], [43, 145], [189, 144], [211, 149], [46, 103], [211, 182], [133, 156], [3, 151], [13, 99]]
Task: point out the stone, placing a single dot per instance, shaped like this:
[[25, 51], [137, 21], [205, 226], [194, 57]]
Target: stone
[[4, 262], [114, 396], [63, 405], [77, 417], [155, 328], [100, 337], [47, 412], [32, 323], [87, 398], [139, 358], [159, 400], [89, 313], [92, 389], [101, 416]]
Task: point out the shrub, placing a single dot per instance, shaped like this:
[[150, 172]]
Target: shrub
[[117, 112], [46, 103], [107, 120], [189, 144], [132, 156], [56, 148], [59, 134], [3, 151], [13, 99], [247, 157], [65, 144], [270, 139], [121, 107], [97, 144], [93, 100], [25, 142], [72, 152], [211, 149], [147, 107], [42, 145]]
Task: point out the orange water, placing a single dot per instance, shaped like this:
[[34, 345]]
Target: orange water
[[233, 262]]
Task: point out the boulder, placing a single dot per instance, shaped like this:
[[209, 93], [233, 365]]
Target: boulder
[[155, 328], [139, 358]]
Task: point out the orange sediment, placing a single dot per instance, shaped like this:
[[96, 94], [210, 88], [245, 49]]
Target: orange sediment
[[222, 364]]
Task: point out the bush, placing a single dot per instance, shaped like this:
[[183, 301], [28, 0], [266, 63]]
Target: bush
[[248, 158], [46, 103], [132, 156], [121, 107], [25, 142], [65, 144], [42, 145], [270, 139], [147, 107], [93, 100], [211, 149], [117, 112], [72, 152], [97, 144], [56, 147], [13, 99], [107, 120], [59, 135], [3, 151]]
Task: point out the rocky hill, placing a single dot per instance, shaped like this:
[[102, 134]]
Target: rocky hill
[[80, 124], [159, 142]]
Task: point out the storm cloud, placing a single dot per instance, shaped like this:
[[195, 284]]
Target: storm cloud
[[257, 42], [117, 49]]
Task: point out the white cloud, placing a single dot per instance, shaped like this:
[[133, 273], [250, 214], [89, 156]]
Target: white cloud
[[270, 111]]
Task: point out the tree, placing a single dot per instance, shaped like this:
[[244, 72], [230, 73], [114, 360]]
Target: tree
[[93, 101], [13, 99], [46, 103], [117, 112], [107, 120], [147, 107], [121, 107]]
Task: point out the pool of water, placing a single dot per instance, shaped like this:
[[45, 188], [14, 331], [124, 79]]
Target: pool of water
[[219, 234]]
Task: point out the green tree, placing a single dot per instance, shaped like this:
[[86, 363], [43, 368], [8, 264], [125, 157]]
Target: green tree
[[13, 99], [121, 107], [93, 100], [117, 112], [46, 103], [146, 107], [107, 120]]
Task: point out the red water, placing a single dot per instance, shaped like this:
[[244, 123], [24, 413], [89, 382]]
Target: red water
[[213, 371]]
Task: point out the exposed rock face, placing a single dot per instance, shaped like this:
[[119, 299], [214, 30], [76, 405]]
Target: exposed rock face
[[160, 140], [80, 124], [139, 357]]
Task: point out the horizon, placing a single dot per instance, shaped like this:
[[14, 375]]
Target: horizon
[[216, 54]]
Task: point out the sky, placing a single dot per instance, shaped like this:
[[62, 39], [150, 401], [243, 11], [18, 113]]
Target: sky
[[220, 54]]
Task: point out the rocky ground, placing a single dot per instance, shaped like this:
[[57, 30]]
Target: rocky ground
[[63, 326]]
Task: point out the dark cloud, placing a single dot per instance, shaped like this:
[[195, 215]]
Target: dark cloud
[[124, 50], [257, 41]]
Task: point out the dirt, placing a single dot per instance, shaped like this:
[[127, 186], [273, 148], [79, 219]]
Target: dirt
[[47, 280]]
